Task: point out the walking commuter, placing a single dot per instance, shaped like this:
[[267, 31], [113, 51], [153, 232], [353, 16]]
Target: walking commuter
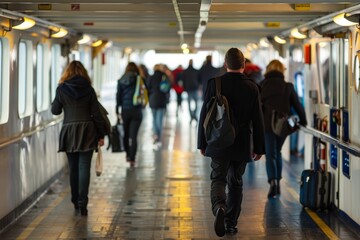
[[191, 79], [206, 72], [158, 98], [253, 71], [130, 114], [82, 131], [178, 86], [281, 96], [228, 164]]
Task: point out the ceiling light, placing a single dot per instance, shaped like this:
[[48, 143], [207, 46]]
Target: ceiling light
[[61, 33], [264, 43], [345, 19], [97, 43], [296, 34], [85, 39], [279, 40], [184, 46], [186, 51], [26, 24]]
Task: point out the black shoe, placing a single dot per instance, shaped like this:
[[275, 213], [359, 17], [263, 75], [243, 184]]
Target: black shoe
[[231, 230], [83, 211], [219, 225], [278, 187], [272, 190]]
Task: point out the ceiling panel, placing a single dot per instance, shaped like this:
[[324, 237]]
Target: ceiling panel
[[154, 24]]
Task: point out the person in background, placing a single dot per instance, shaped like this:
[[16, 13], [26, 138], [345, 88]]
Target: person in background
[[276, 94], [206, 72], [178, 86], [130, 114], [190, 78], [253, 71], [83, 128], [158, 100], [228, 164], [144, 73]]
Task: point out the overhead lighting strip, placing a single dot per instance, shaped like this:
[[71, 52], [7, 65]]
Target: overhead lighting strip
[[204, 17], [178, 16]]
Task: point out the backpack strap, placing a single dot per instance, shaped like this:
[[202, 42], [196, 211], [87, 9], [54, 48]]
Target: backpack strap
[[218, 88]]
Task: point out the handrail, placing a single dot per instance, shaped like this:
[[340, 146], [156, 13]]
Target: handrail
[[350, 148], [32, 131]]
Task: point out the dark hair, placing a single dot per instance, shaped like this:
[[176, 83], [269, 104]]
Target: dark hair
[[234, 59], [132, 67]]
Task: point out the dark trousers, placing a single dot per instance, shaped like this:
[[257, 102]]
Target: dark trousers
[[132, 120], [227, 172], [79, 166]]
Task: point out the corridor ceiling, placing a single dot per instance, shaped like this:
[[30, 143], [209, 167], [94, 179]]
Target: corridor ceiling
[[165, 24]]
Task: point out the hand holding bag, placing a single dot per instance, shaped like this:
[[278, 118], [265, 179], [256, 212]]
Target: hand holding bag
[[99, 162], [280, 124]]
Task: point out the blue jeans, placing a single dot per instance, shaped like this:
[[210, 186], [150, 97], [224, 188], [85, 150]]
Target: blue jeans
[[273, 145], [132, 121], [158, 117], [79, 166]]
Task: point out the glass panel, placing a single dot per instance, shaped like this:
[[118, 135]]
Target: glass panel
[[335, 63], [39, 77], [55, 68], [22, 67], [356, 72], [346, 74], [323, 64]]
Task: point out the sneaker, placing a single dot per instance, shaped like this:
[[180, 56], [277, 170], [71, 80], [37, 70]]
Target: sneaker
[[219, 225]]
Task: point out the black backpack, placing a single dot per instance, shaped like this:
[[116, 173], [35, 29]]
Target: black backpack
[[219, 124]]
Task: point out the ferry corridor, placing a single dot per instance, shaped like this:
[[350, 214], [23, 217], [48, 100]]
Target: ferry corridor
[[166, 196]]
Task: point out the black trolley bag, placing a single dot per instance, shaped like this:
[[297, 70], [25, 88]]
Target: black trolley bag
[[315, 189]]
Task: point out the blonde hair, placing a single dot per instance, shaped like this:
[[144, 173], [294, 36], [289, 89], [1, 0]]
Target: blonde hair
[[275, 65], [75, 68]]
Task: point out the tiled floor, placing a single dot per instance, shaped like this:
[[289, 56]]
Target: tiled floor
[[166, 196]]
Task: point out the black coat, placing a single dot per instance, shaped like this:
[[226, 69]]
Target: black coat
[[83, 124], [244, 100], [281, 96], [157, 99], [191, 79]]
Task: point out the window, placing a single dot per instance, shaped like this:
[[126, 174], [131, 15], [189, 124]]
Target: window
[[4, 80], [42, 78], [55, 68], [346, 74], [25, 78], [323, 64], [356, 72]]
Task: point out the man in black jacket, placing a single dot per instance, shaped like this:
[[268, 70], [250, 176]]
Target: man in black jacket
[[228, 164]]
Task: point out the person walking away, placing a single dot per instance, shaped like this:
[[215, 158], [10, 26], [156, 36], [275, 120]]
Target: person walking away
[[130, 114], [157, 100], [253, 71], [276, 94], [228, 164], [206, 72], [190, 79], [178, 86], [82, 131]]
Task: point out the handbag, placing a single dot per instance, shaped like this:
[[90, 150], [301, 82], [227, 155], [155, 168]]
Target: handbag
[[99, 162], [281, 124]]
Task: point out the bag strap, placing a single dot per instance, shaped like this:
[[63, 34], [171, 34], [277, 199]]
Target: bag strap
[[218, 89]]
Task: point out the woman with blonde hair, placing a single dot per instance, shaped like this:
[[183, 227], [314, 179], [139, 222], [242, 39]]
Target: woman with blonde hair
[[82, 131], [276, 94]]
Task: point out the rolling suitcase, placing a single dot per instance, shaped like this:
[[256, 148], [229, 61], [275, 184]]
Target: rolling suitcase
[[315, 189]]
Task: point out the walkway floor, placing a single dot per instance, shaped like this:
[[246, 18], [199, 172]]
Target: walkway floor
[[166, 196]]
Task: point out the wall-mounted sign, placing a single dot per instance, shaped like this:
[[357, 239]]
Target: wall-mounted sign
[[272, 24], [302, 7], [75, 7], [44, 6]]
